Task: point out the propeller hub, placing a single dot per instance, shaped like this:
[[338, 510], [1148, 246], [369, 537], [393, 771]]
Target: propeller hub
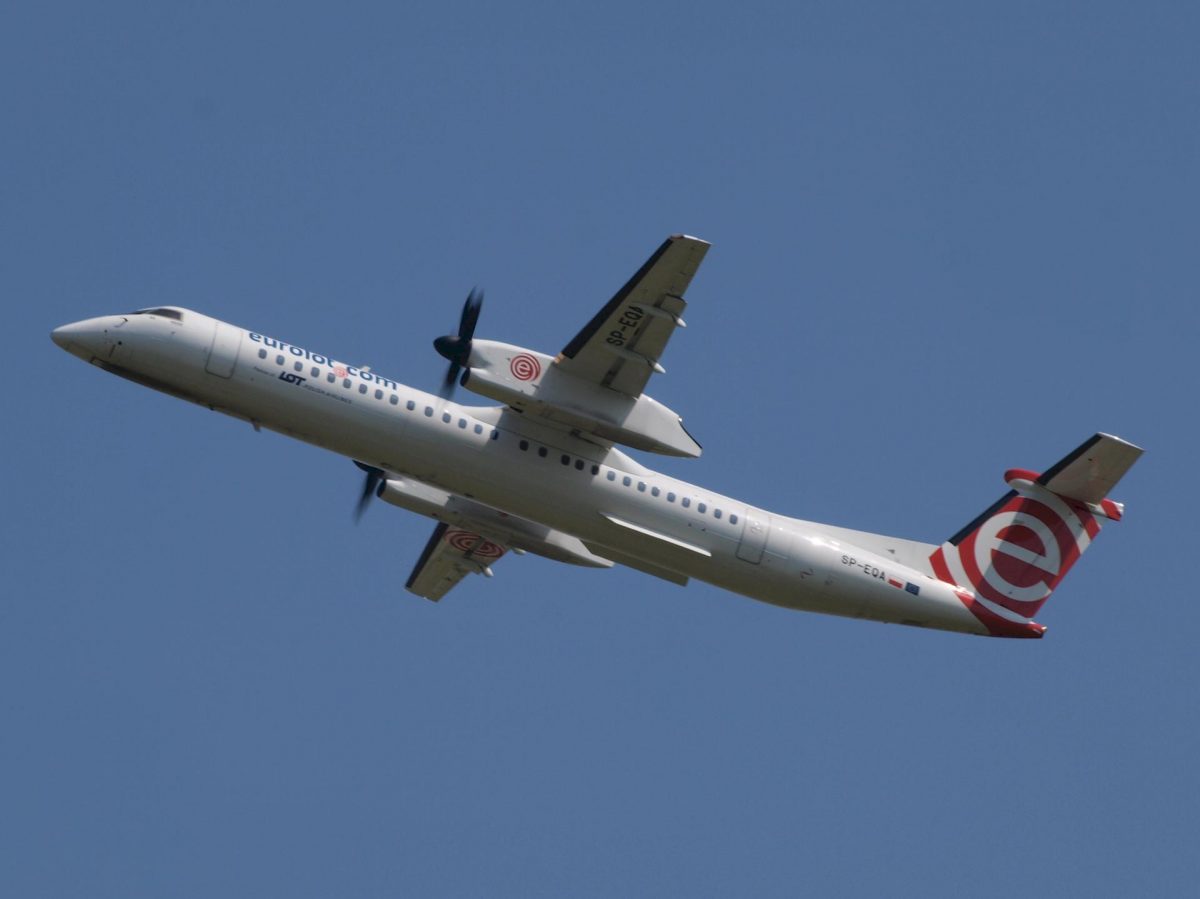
[[456, 348], [453, 348]]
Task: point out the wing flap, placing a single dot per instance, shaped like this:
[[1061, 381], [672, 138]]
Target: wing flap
[[656, 536], [630, 561]]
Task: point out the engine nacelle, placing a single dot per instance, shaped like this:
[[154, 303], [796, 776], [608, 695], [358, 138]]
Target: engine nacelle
[[529, 381]]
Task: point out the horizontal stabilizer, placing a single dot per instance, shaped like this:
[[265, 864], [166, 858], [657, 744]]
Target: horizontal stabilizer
[[1089, 473]]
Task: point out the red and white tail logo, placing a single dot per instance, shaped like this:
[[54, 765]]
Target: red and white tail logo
[[1009, 560], [1017, 552]]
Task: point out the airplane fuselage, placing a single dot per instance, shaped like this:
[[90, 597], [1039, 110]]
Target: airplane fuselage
[[518, 467]]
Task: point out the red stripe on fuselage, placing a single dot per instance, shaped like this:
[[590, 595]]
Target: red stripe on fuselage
[[997, 626], [938, 562]]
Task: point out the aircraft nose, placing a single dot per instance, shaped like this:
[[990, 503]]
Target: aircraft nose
[[62, 335], [85, 339]]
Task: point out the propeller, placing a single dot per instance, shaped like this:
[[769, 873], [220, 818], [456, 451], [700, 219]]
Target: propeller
[[371, 488], [457, 347]]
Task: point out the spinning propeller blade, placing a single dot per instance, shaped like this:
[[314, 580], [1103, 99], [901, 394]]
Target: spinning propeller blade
[[457, 347], [371, 488]]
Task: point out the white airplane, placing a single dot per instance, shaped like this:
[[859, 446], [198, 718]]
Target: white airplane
[[542, 473]]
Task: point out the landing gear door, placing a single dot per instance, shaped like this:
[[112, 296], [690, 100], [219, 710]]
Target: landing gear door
[[222, 355], [754, 536]]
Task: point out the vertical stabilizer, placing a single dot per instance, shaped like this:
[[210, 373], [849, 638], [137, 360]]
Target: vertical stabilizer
[[1012, 557]]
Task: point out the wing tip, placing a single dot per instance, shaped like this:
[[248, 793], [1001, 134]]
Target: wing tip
[[1120, 440]]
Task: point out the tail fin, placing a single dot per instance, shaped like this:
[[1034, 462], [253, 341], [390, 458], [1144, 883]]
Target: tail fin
[[1013, 555]]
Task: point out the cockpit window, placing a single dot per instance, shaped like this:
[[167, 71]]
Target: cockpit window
[[164, 312]]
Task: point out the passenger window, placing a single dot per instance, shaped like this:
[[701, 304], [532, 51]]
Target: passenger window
[[595, 470], [446, 417], [394, 400], [362, 388], [378, 394], [299, 366], [612, 475], [462, 423], [331, 377], [733, 519], [542, 451], [700, 508], [429, 411], [641, 486], [262, 354], [654, 491], [579, 465], [410, 405], [346, 383], [478, 429], [716, 513], [685, 502], [627, 480], [566, 460], [524, 445], [316, 372], [279, 360]]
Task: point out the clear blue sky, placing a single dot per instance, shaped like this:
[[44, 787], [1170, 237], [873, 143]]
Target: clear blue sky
[[948, 239]]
